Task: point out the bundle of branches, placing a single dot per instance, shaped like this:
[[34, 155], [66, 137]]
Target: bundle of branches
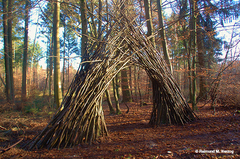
[[80, 118], [169, 105]]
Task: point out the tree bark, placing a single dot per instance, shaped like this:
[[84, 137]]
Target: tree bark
[[148, 16], [50, 66], [10, 51], [125, 87], [25, 53], [193, 41], [56, 49], [6, 55], [130, 82], [162, 35], [135, 81], [100, 19], [114, 81], [112, 111], [83, 10], [201, 62], [64, 54]]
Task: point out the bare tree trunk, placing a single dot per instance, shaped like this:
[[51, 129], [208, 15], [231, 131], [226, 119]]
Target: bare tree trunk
[[56, 50], [46, 81], [6, 56], [83, 9], [189, 76], [114, 81], [135, 81], [193, 41], [139, 90], [100, 19], [130, 82], [25, 53], [112, 111], [50, 66], [10, 51], [148, 16], [126, 94], [201, 61], [64, 54], [162, 35]]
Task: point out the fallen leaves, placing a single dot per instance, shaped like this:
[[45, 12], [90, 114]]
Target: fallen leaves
[[130, 136]]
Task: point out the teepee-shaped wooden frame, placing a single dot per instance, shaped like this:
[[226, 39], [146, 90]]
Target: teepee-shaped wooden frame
[[80, 117]]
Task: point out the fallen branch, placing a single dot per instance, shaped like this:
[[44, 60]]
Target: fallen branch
[[2, 128], [4, 150]]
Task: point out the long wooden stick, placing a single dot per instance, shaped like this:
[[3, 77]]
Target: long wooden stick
[[4, 150]]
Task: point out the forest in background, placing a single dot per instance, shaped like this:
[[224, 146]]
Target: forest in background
[[204, 64]]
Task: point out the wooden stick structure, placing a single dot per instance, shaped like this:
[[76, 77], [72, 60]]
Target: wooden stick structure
[[80, 118]]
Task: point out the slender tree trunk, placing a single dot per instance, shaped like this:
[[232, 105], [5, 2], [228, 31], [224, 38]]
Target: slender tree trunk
[[112, 111], [162, 35], [25, 53], [50, 66], [37, 75], [6, 55], [32, 62], [83, 10], [193, 41], [135, 81], [149, 21], [108, 22], [201, 61], [68, 70], [56, 45], [10, 51], [189, 76], [46, 81], [185, 76], [100, 19], [118, 111], [139, 90], [93, 29], [64, 54], [130, 82], [125, 87]]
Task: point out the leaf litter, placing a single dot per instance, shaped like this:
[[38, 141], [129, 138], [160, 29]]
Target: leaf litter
[[130, 136]]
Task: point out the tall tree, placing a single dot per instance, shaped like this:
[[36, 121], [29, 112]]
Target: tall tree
[[56, 52], [201, 61], [115, 94], [83, 10], [10, 51], [25, 51], [6, 56], [148, 16], [193, 41], [126, 94], [162, 35], [64, 53], [50, 65]]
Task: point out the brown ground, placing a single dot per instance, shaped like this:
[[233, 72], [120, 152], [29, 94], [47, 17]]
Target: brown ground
[[130, 136]]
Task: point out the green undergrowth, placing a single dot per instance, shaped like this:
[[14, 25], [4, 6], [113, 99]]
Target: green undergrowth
[[39, 105]]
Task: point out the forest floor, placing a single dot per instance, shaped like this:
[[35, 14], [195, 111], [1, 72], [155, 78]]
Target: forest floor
[[211, 136]]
